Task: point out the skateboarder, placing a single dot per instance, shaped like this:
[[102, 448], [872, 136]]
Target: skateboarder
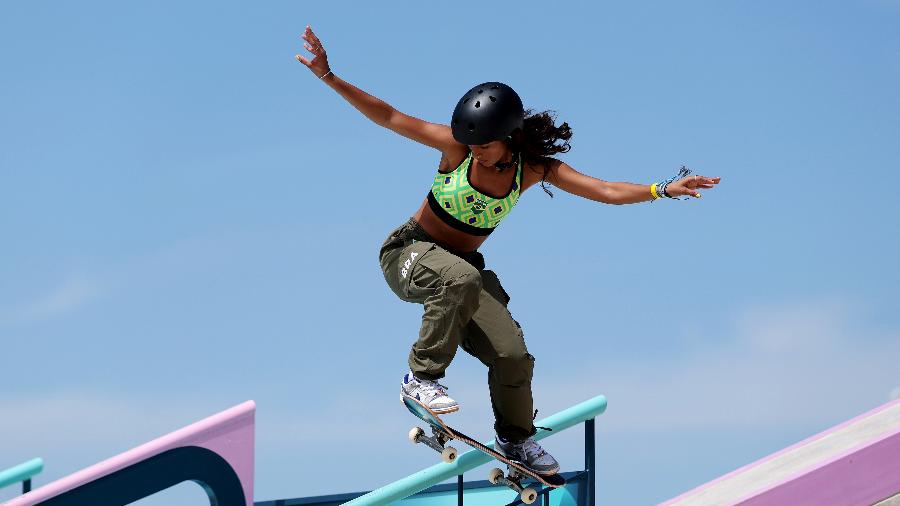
[[492, 151]]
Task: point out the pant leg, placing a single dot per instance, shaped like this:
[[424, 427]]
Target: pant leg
[[497, 340], [447, 287]]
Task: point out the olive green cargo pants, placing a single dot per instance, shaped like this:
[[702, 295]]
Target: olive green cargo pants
[[465, 306]]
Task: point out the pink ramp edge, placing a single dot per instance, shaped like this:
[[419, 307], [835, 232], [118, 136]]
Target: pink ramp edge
[[230, 434], [861, 476], [779, 453]]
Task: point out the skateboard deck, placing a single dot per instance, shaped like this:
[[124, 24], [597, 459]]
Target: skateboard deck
[[444, 433]]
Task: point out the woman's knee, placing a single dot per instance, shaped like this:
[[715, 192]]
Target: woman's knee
[[514, 370], [465, 279]]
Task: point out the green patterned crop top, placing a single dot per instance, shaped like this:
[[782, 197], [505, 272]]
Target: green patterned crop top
[[460, 205]]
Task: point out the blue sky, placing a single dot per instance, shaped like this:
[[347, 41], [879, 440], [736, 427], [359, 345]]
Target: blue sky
[[191, 220]]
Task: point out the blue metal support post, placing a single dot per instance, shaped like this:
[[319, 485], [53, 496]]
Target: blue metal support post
[[589, 461]]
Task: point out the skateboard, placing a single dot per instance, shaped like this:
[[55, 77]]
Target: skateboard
[[443, 433]]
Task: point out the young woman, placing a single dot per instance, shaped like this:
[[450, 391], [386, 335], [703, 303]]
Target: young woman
[[491, 153]]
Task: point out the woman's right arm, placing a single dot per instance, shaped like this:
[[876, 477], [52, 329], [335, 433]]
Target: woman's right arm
[[380, 112]]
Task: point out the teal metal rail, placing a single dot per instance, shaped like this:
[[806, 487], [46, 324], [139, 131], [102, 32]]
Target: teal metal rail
[[471, 459], [22, 473]]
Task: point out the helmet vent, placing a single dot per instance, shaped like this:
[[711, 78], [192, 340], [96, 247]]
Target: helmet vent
[[478, 104], [493, 98], [466, 101]]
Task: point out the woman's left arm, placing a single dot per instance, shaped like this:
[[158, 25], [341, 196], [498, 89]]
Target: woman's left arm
[[570, 180]]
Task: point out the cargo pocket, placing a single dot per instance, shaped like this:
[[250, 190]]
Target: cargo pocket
[[408, 270]]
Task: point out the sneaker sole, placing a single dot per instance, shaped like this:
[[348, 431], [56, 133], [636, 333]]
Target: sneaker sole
[[438, 411], [542, 472], [444, 411]]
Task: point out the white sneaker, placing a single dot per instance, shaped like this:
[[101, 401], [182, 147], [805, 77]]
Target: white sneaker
[[430, 393]]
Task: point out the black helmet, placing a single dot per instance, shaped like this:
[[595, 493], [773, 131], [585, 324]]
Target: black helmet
[[486, 113]]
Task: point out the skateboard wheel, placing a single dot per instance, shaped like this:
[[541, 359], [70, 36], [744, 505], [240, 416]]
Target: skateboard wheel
[[414, 434], [529, 495], [449, 454], [495, 475]]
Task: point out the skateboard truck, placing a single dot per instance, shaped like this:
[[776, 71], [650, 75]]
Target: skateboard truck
[[513, 480], [437, 441]]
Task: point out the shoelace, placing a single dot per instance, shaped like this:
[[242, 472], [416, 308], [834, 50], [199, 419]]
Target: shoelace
[[531, 448], [433, 387]]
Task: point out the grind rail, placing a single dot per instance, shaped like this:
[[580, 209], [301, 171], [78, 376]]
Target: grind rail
[[584, 412]]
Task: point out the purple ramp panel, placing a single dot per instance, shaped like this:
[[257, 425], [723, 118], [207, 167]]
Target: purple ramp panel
[[228, 436], [854, 463]]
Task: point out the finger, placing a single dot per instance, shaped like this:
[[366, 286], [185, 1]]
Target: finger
[[313, 47], [312, 35], [302, 60], [682, 191]]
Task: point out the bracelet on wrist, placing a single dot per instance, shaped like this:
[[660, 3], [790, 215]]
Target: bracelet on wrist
[[659, 189], [662, 190], [326, 74]]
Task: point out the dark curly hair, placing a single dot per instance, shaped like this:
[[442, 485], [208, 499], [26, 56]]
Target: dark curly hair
[[538, 139]]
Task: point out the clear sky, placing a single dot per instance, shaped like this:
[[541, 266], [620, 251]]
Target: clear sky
[[190, 220]]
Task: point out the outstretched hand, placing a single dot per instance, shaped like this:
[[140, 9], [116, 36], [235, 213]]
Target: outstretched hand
[[319, 63], [688, 186]]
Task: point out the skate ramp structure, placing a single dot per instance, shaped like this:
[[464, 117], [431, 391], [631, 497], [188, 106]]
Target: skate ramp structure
[[216, 453], [854, 463]]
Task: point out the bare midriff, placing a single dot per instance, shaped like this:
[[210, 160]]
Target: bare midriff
[[445, 235]]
